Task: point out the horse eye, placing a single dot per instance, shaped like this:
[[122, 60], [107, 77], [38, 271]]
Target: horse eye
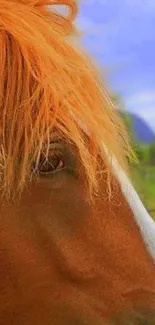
[[51, 164]]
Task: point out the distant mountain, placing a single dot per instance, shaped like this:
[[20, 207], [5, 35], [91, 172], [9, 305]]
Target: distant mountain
[[141, 131]]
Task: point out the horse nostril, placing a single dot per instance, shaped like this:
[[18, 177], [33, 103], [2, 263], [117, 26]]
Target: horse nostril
[[144, 293], [142, 302], [131, 317]]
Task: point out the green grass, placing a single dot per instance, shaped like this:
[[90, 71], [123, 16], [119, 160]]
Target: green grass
[[144, 181]]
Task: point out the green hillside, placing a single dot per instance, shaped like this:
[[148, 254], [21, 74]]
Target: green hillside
[[144, 180], [143, 175]]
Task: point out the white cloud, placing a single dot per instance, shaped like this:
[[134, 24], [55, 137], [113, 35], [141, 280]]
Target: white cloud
[[149, 116], [146, 4], [90, 2], [85, 23], [143, 104], [143, 98], [89, 27]]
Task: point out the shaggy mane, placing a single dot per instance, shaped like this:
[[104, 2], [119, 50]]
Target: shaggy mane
[[46, 83]]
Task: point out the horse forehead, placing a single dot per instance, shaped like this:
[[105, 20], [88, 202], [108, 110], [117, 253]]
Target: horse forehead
[[144, 221]]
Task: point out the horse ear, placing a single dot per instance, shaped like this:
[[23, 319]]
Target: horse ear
[[71, 4], [46, 2]]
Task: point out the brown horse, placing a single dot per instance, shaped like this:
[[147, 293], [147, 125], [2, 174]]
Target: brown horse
[[76, 244]]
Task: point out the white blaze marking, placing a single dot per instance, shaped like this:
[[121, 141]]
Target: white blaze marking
[[142, 218], [144, 221]]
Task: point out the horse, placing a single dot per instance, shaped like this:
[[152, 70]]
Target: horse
[[76, 243]]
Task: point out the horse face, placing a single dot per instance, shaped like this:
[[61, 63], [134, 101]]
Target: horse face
[[66, 261]]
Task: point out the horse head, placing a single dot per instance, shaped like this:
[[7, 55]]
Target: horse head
[[76, 243]]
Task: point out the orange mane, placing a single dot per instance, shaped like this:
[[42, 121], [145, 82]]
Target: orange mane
[[46, 83]]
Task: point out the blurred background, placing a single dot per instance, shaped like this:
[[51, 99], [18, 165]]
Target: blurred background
[[120, 35]]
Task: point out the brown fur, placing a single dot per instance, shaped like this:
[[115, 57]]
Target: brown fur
[[64, 258], [65, 261]]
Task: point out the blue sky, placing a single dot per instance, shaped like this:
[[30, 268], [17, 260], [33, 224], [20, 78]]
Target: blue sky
[[120, 34]]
